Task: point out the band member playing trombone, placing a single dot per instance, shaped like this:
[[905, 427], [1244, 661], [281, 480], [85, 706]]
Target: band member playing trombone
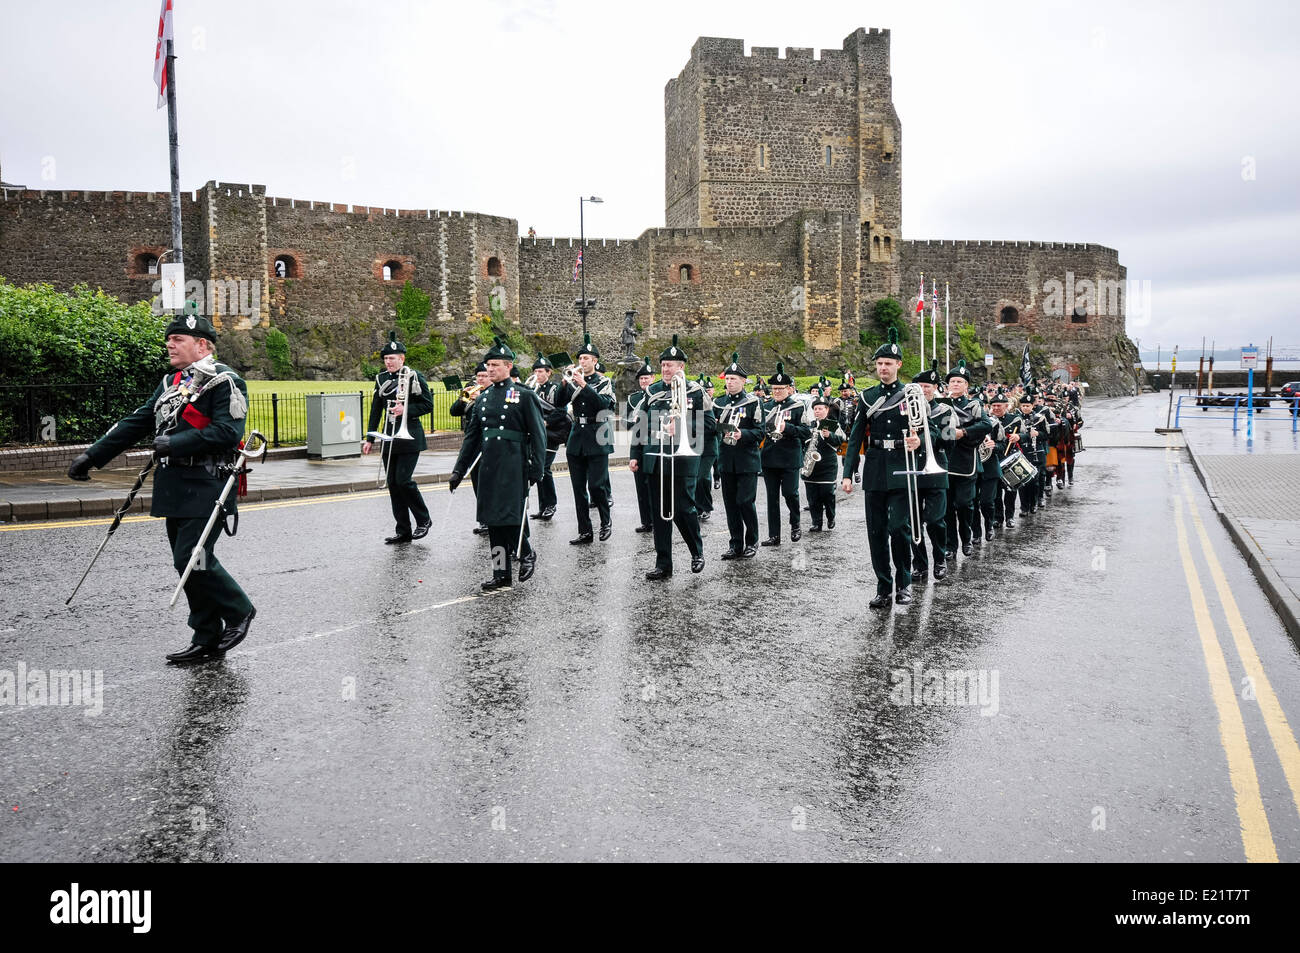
[[508, 441], [557, 431], [740, 426], [401, 398], [880, 436], [933, 487], [666, 441], [970, 427], [645, 376], [786, 431], [590, 397], [198, 414]]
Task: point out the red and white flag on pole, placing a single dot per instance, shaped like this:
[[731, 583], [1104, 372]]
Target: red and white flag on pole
[[160, 71], [920, 296]]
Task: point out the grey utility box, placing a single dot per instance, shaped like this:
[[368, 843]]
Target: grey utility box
[[334, 425]]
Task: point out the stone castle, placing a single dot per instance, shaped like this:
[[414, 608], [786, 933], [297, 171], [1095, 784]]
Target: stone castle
[[783, 210]]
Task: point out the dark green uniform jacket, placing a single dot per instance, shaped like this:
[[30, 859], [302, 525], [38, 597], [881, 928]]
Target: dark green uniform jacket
[[653, 412], [878, 430], [786, 453], [207, 434], [991, 469], [827, 469], [743, 412], [592, 411], [420, 402], [963, 454], [511, 434], [557, 421]]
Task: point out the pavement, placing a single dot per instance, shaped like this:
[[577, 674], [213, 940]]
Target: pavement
[[1129, 691]]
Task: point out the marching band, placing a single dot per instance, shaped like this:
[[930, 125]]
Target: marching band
[[943, 464]]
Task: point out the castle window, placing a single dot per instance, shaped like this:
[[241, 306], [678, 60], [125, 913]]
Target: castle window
[[286, 266], [146, 264], [763, 156], [494, 267], [1080, 316], [875, 247], [889, 248], [1010, 315], [392, 271], [685, 273], [828, 157]]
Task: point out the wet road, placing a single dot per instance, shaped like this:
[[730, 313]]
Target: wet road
[[383, 709]]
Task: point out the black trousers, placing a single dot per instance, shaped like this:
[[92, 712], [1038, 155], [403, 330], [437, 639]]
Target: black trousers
[[739, 493], [214, 596], [642, 496], [590, 475], [889, 534], [934, 514], [546, 495], [503, 540], [961, 509], [821, 501], [404, 493], [988, 494], [704, 485], [782, 482], [682, 507]]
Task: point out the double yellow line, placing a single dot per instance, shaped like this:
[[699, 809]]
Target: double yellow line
[[1256, 835]]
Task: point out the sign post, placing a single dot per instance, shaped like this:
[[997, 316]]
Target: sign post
[[1249, 358]]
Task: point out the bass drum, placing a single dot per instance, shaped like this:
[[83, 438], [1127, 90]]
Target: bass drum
[[1017, 470]]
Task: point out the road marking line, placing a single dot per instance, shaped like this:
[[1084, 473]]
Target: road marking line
[[1279, 729], [1256, 837]]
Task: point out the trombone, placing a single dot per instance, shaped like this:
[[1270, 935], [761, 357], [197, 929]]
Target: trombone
[[918, 414], [677, 419]]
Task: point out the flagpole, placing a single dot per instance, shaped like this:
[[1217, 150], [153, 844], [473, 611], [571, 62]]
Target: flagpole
[[178, 253], [934, 320], [921, 309], [947, 328]]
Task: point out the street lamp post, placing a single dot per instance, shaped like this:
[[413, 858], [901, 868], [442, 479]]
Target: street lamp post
[[584, 304]]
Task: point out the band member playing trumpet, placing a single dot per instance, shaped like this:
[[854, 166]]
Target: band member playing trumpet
[[590, 397], [970, 427], [403, 453], [786, 432], [821, 475], [740, 426], [508, 439], [881, 439], [463, 407], [988, 504], [547, 389], [708, 457], [645, 376], [933, 487], [666, 442]]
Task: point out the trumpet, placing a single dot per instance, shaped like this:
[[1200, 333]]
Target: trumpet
[[918, 418], [729, 424], [470, 394], [569, 373]]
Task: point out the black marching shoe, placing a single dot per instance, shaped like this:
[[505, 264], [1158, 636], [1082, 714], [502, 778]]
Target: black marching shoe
[[771, 541], [697, 564], [495, 583], [704, 517], [749, 553], [965, 549], [815, 528], [1010, 523], [582, 540], [988, 534], [919, 572], [421, 529], [796, 534], [880, 602], [606, 531], [903, 596], [399, 538], [731, 553], [526, 567], [195, 653], [940, 570], [830, 522], [544, 514], [659, 573], [976, 542], [235, 632], [480, 530], [645, 528]]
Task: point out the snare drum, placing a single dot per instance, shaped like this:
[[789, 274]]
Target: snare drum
[[1017, 470]]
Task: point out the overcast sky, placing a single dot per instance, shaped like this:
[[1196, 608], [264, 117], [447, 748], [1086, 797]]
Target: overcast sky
[[1167, 130]]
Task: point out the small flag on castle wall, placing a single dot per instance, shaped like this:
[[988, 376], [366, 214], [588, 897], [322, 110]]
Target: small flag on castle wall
[[160, 71], [577, 265]]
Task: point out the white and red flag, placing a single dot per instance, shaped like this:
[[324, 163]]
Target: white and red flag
[[577, 265], [920, 296], [161, 74]]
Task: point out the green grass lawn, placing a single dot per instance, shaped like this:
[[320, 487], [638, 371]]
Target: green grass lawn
[[291, 407]]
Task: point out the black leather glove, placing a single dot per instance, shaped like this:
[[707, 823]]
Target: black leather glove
[[80, 469], [456, 477], [162, 444]]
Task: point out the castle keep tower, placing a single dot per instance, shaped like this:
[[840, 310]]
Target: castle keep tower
[[751, 140]]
